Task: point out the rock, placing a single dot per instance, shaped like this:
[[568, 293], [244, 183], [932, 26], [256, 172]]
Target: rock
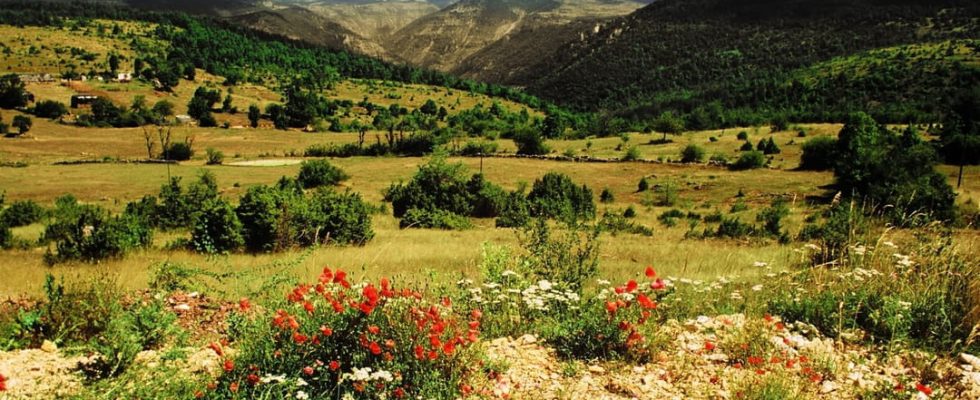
[[49, 347], [971, 360], [717, 357], [595, 369], [828, 386], [527, 339], [182, 307]]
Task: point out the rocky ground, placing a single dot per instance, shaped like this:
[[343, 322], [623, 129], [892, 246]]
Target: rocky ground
[[690, 362]]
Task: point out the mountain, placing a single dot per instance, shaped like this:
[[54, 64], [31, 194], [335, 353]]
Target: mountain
[[495, 40], [697, 57], [375, 20]]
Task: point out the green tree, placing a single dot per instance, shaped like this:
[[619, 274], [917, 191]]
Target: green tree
[[12, 92], [254, 114], [23, 123], [216, 228], [960, 136], [667, 123]]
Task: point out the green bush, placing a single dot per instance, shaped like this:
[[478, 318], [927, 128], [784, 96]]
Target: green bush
[[215, 156], [50, 109], [734, 228], [215, 228], [749, 160], [529, 141], [692, 154], [606, 196], [643, 185], [819, 154], [516, 211], [567, 255], [90, 234], [338, 218], [433, 219], [179, 151], [632, 154], [316, 173], [6, 237], [22, 213], [557, 196], [742, 135], [472, 148], [772, 217], [616, 223], [264, 213]]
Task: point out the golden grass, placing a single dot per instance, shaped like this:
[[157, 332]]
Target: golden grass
[[45, 49]]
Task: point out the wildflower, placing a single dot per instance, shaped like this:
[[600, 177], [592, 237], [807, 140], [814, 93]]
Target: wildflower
[[657, 284], [252, 379], [300, 338], [308, 307], [708, 346], [631, 286], [233, 387], [325, 331], [476, 314], [645, 302], [398, 393], [754, 360], [229, 365], [650, 273], [334, 365], [308, 371], [544, 285], [419, 352], [373, 329], [508, 273], [301, 395], [611, 307], [217, 349], [244, 305], [926, 390], [3, 383], [449, 348], [756, 288], [375, 348], [760, 264]]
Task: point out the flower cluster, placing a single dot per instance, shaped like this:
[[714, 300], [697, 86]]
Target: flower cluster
[[335, 336]]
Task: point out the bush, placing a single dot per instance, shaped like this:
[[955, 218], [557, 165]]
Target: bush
[[88, 233], [772, 217], [615, 224], [22, 213], [22, 123], [819, 154], [630, 212], [316, 173], [606, 196], [6, 237], [632, 154], [516, 211], [180, 151], [215, 157], [472, 149], [338, 218], [734, 228], [747, 146], [323, 337], [263, 213], [556, 196], [768, 146], [643, 186], [742, 135], [433, 219], [50, 109], [692, 154], [749, 160], [441, 186], [530, 142], [215, 228], [568, 255]]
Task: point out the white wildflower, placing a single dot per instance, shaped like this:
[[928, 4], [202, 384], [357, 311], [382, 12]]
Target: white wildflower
[[544, 285], [301, 395], [508, 273], [756, 288], [760, 264]]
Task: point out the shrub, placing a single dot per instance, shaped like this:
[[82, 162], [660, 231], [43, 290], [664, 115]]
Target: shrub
[[530, 142], [216, 228], [749, 160], [371, 340], [22, 213], [614, 223], [632, 154], [692, 154], [742, 135], [316, 173], [666, 194], [768, 146], [179, 151], [437, 185], [669, 218], [215, 156], [747, 146], [734, 228], [556, 196], [6, 237], [22, 123], [50, 109], [516, 211], [643, 186], [339, 218], [264, 214], [772, 217], [630, 212], [819, 154], [606, 196], [488, 198], [433, 219], [568, 256], [719, 159], [89, 234], [472, 149]]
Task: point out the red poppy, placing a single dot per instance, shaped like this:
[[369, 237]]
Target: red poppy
[[244, 304], [767, 317], [624, 325], [337, 306], [476, 314], [466, 389], [366, 308], [419, 352], [760, 372], [308, 371], [900, 387], [300, 338], [708, 346], [472, 337], [308, 307], [650, 273], [375, 348], [398, 393], [373, 329], [611, 307], [645, 301], [197, 395], [923, 389], [816, 378], [3, 383], [326, 276], [737, 365], [334, 365], [233, 387], [433, 354], [390, 344], [446, 302], [229, 365], [217, 349], [780, 326], [252, 379], [370, 293], [474, 324], [753, 360], [631, 286], [449, 348], [439, 327], [434, 341], [326, 331], [658, 284]]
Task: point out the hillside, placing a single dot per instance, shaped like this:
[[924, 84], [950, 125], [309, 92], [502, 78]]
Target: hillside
[[487, 39], [684, 55], [300, 24]]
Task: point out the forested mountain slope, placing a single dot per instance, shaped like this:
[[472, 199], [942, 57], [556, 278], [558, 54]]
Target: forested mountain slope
[[763, 57]]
